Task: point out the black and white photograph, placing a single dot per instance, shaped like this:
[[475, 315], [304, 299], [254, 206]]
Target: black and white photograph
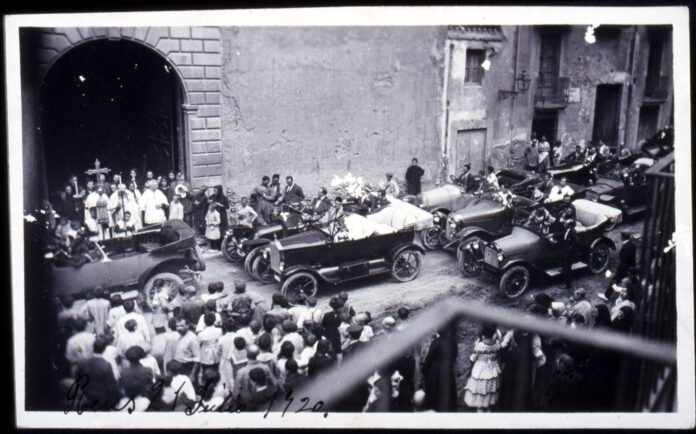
[[352, 217]]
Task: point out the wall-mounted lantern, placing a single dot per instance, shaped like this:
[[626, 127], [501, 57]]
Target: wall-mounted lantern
[[522, 82]]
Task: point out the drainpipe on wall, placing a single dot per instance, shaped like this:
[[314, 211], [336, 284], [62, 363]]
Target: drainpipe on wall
[[449, 48], [512, 103], [629, 101]]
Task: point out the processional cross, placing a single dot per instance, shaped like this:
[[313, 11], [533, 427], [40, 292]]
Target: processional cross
[[98, 170]]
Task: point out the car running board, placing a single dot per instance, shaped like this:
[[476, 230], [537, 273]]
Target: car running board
[[635, 210], [553, 272]]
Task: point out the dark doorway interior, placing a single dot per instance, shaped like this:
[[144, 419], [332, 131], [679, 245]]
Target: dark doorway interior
[[545, 124], [606, 119], [647, 121], [117, 101]]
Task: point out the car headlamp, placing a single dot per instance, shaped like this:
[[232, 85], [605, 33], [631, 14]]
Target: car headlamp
[[266, 254], [500, 257], [436, 218], [475, 245], [453, 224], [281, 267]]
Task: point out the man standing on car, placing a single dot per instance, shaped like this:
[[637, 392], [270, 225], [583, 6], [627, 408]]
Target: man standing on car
[[413, 177], [568, 242]]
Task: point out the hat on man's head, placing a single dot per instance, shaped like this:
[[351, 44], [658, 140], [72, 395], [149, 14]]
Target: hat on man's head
[[389, 322], [336, 303], [135, 353], [239, 286], [190, 289], [355, 328], [289, 326]]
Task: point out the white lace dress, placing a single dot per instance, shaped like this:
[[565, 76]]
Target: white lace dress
[[483, 386]]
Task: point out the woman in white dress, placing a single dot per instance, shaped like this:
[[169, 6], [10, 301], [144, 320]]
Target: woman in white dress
[[483, 387]]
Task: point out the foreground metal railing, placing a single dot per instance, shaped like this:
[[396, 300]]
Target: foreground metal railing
[[334, 384]]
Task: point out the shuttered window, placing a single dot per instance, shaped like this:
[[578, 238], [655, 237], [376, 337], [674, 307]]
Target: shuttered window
[[474, 71]]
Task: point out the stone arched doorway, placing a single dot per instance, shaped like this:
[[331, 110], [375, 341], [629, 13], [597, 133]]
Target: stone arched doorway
[[115, 100]]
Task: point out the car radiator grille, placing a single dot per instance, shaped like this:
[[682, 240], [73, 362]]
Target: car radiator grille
[[275, 258], [490, 257]]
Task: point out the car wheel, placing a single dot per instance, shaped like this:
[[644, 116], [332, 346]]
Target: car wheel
[[261, 269], [598, 259], [249, 261], [469, 258], [432, 237], [230, 250], [515, 281], [161, 281], [299, 284], [406, 265]]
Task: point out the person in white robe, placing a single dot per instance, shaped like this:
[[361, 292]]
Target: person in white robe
[[152, 203]]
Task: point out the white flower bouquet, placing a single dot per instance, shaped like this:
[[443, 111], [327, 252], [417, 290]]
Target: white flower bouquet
[[349, 186]]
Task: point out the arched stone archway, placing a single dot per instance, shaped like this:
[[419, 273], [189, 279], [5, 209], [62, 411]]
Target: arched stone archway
[[195, 54]]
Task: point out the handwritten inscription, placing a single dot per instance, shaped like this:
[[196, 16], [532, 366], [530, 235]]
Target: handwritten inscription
[[78, 402]]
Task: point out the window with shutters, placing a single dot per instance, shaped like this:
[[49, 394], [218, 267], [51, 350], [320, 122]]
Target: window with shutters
[[474, 70]]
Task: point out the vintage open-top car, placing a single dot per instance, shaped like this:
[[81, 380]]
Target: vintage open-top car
[[396, 216], [625, 188], [362, 248], [152, 259], [447, 198], [527, 250]]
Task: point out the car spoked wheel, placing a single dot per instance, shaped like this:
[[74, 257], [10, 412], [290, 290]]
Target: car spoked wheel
[[598, 260], [249, 261], [470, 257], [261, 269], [515, 281], [169, 282], [432, 237], [231, 250], [406, 265], [299, 285]]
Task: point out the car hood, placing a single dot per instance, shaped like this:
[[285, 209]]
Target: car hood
[[606, 185], [519, 241], [441, 194], [479, 211]]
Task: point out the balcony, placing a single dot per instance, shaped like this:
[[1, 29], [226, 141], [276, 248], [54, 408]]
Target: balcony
[[656, 87], [551, 93]]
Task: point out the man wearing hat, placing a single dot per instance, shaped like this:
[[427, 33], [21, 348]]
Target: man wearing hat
[[389, 185], [627, 261], [331, 322]]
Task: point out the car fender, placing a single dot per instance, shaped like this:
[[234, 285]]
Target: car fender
[[171, 265], [252, 244], [602, 240], [301, 268], [401, 247], [475, 231], [507, 263]]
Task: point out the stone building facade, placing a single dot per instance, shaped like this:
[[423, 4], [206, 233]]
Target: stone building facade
[[316, 102]]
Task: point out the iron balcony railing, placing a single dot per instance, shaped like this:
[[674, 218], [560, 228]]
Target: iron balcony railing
[[551, 92], [656, 86], [334, 384]]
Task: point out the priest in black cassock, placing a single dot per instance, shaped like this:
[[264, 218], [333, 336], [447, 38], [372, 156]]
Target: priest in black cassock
[[413, 177]]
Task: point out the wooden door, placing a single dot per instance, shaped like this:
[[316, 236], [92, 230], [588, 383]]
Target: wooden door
[[606, 119], [471, 148], [647, 121]]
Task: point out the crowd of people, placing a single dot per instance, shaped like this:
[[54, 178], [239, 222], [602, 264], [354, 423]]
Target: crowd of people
[[519, 371], [221, 351]]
